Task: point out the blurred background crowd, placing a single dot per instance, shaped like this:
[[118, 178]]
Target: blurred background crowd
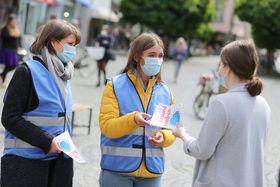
[[206, 25], [188, 28]]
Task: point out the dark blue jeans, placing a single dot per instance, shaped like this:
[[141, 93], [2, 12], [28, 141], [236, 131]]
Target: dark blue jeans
[[112, 179], [177, 68]]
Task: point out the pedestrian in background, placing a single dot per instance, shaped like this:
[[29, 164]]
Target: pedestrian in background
[[132, 150], [104, 40], [10, 41], [230, 146], [279, 178], [37, 108], [179, 55]]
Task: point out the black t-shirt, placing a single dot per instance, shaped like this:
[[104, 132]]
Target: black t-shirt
[[104, 41], [8, 41]]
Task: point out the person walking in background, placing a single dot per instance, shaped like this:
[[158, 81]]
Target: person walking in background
[[279, 178], [230, 146], [132, 150], [10, 41], [37, 108], [104, 40], [179, 55]]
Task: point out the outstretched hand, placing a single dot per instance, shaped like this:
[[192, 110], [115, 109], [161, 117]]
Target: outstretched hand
[[179, 131], [140, 118]]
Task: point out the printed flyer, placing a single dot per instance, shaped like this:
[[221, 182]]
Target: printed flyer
[[167, 116], [65, 142]]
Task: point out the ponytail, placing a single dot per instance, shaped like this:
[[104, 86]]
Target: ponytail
[[255, 86]]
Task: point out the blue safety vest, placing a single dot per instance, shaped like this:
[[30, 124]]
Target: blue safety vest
[[126, 153], [51, 115]]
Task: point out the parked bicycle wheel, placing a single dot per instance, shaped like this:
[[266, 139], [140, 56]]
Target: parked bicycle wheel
[[84, 64], [87, 67], [200, 105]]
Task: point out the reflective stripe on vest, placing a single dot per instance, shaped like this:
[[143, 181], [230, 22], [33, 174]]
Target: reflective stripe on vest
[[47, 121], [148, 131], [47, 115], [125, 154], [120, 151], [16, 143]]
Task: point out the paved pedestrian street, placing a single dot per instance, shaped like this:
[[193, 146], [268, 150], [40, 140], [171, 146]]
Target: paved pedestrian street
[[179, 167]]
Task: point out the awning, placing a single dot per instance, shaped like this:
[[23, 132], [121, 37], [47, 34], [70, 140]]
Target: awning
[[50, 2], [87, 3], [104, 14]]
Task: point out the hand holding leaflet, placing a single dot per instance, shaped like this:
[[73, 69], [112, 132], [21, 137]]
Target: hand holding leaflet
[[167, 116], [65, 142]]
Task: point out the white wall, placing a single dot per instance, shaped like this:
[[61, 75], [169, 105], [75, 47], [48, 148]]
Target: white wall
[[103, 3]]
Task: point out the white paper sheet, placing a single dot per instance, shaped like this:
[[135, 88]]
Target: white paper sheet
[[67, 146], [167, 116]]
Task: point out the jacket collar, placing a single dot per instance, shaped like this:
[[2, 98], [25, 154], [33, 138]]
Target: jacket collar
[[239, 88], [134, 77]]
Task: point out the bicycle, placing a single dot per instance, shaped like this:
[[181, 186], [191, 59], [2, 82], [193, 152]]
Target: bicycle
[[208, 89], [85, 58]]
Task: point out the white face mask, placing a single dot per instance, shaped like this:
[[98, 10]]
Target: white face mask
[[104, 33], [151, 65]]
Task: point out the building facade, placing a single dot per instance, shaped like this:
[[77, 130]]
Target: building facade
[[227, 27]]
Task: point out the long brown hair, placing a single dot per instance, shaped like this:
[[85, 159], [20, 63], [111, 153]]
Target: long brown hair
[[57, 29], [140, 44], [241, 56]]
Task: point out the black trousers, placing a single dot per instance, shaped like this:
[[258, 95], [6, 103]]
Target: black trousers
[[22, 172]]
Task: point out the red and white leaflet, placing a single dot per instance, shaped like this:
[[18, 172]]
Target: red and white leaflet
[[167, 116]]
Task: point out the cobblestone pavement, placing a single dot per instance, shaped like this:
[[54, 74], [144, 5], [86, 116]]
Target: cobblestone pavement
[[179, 167]]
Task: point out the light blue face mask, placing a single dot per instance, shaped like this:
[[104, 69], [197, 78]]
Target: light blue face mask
[[221, 80], [151, 65], [68, 53]]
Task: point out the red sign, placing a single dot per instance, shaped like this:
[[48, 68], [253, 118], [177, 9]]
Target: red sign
[[50, 2]]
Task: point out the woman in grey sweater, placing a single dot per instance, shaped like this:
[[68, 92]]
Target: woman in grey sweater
[[230, 146]]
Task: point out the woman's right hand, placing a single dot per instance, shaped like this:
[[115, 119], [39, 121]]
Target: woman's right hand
[[139, 118], [55, 147]]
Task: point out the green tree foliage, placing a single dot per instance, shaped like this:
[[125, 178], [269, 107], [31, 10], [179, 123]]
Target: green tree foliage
[[204, 32], [264, 15], [187, 18]]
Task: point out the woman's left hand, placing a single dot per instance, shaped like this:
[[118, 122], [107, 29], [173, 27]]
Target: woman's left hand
[[179, 132], [157, 140]]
